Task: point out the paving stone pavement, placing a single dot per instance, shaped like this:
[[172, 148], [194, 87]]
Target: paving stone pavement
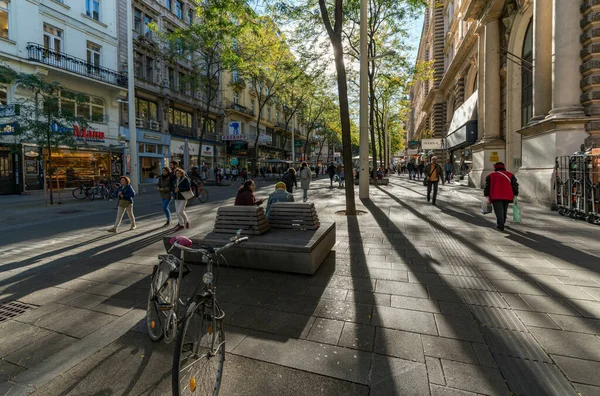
[[413, 300]]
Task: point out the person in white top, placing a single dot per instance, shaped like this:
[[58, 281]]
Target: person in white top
[[305, 179]]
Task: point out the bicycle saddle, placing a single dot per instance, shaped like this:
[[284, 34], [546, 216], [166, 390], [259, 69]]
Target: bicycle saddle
[[181, 240]]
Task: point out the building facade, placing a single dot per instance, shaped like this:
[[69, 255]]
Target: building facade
[[513, 81], [73, 43]]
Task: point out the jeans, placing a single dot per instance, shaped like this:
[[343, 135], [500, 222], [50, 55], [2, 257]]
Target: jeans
[[121, 211], [430, 185], [182, 217], [448, 174], [305, 195], [501, 212], [165, 205]]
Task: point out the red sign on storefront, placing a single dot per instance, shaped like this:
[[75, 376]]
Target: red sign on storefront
[[87, 134]]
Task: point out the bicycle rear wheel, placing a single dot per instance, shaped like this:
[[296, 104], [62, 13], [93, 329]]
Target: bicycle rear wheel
[[79, 193], [203, 195], [199, 353], [90, 194]]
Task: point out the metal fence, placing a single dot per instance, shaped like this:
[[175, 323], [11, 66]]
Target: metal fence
[[577, 186]]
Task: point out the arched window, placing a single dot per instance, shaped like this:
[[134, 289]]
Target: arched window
[[527, 77]]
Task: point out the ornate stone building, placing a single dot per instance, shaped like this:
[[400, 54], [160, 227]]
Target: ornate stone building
[[517, 81]]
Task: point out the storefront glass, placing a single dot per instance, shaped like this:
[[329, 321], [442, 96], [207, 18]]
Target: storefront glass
[[70, 168], [151, 167]]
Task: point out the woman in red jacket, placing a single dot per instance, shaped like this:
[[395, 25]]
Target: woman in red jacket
[[245, 195], [501, 187]]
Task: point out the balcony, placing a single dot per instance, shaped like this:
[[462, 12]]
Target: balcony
[[37, 53], [238, 82], [239, 108], [182, 131], [147, 124]]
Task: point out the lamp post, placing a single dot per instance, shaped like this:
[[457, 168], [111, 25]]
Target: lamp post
[[133, 147]]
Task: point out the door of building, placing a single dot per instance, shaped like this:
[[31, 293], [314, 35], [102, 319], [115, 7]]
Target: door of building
[[7, 173]]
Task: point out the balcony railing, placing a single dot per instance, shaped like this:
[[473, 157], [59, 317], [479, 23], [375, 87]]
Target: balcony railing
[[180, 130], [38, 53], [239, 108]]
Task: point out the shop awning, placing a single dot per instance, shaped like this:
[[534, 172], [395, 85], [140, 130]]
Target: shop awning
[[463, 127]]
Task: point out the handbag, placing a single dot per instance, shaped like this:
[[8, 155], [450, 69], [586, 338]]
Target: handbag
[[486, 205], [516, 211], [187, 195], [123, 203]]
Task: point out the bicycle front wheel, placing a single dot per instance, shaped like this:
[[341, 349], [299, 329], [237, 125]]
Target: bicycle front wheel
[[199, 353], [91, 194], [203, 195], [160, 303], [79, 193]]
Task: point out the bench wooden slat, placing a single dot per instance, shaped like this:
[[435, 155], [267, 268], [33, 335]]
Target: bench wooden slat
[[303, 227], [236, 209], [246, 222], [294, 204]]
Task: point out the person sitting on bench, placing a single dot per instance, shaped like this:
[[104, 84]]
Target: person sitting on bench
[[245, 195], [279, 195]]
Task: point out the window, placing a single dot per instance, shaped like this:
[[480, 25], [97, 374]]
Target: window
[[4, 19], [149, 69], [527, 77], [92, 9], [81, 106], [190, 16], [182, 82], [171, 78], [137, 21], [93, 57], [235, 76], [252, 105], [179, 9], [146, 110], [168, 4], [52, 39], [179, 117], [147, 22], [236, 98]]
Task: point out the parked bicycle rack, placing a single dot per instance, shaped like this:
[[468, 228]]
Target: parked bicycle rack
[[577, 186]]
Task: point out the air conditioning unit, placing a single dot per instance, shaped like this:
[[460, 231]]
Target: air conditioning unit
[[154, 125], [139, 123]]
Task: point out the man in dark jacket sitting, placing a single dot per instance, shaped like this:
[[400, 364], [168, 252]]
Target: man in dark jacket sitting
[[501, 187]]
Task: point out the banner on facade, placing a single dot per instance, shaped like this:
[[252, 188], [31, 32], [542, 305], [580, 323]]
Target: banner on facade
[[8, 129], [431, 144], [207, 151]]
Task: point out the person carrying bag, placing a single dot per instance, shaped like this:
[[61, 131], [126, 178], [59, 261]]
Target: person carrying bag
[[501, 188], [125, 194], [182, 193]]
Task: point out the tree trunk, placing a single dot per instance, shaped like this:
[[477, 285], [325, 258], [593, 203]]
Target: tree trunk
[[49, 162], [372, 124], [320, 151], [255, 162], [345, 121]]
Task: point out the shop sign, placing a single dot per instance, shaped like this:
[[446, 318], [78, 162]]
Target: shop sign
[[88, 135], [234, 137], [494, 157], [150, 136], [207, 151], [234, 161], [297, 143], [265, 139], [10, 110], [412, 151], [7, 129], [431, 144]]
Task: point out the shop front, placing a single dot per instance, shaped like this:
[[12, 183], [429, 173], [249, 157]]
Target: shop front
[[238, 154], [178, 147], [462, 134], [153, 153], [10, 160]]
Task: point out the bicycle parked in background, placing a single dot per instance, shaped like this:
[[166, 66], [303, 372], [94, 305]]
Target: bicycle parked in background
[[200, 346]]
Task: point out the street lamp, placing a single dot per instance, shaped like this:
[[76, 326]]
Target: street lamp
[[133, 147]]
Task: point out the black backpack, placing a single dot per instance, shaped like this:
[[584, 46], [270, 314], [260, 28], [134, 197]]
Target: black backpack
[[286, 178]]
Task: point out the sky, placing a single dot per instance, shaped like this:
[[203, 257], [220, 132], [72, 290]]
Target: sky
[[414, 30]]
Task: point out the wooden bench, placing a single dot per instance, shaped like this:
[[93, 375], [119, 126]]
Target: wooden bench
[[294, 215], [380, 182], [250, 219]]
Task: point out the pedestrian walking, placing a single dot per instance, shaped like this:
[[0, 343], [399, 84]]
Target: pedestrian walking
[[289, 178], [305, 179], [181, 193], [410, 167], [125, 194], [501, 188], [448, 171], [165, 187], [421, 169], [433, 174], [342, 178], [234, 174], [244, 175], [331, 172]]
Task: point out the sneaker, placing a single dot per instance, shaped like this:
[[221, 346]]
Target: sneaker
[[133, 227], [179, 227], [168, 223], [112, 230], [187, 224], [433, 203]]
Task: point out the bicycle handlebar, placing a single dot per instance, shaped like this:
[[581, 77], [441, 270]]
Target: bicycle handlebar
[[234, 241]]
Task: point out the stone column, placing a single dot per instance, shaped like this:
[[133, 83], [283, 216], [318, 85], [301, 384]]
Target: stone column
[[542, 60], [491, 79], [566, 60], [480, 80]]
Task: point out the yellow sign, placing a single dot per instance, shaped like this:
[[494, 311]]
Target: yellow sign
[[494, 157]]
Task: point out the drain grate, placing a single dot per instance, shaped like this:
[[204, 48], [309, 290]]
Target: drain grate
[[66, 212], [13, 309]]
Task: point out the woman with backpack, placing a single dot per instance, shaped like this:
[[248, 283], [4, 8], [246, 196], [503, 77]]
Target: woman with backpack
[[289, 178], [305, 179], [124, 194]]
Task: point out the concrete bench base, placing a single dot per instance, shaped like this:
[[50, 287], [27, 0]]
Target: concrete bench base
[[297, 251], [381, 182]]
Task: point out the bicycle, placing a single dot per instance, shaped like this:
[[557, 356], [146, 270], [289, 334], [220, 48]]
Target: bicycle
[[200, 335], [83, 192], [199, 191]]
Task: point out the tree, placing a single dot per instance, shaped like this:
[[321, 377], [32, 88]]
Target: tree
[[41, 120], [208, 47], [312, 113], [265, 59]]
